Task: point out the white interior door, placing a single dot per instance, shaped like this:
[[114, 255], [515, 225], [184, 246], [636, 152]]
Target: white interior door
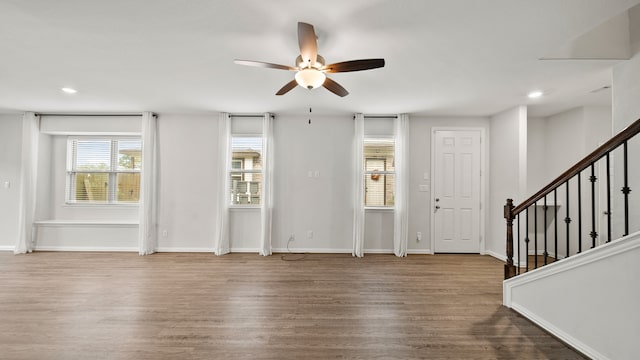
[[456, 196]]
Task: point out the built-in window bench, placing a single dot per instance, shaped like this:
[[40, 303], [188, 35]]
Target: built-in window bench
[[86, 235]]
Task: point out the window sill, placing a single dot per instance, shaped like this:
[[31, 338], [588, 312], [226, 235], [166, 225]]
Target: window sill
[[379, 208], [102, 205], [244, 207]]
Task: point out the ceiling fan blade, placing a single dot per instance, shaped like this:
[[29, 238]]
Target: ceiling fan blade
[[354, 65], [285, 89], [335, 88], [264, 65], [308, 43]]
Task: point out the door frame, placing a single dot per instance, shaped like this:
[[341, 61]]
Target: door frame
[[484, 174]]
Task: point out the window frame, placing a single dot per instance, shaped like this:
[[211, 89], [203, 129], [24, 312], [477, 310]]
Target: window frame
[[369, 139], [112, 192], [243, 171]]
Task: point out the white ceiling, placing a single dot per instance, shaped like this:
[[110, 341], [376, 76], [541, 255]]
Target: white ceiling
[[443, 57]]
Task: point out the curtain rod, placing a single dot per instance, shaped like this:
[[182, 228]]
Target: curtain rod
[[379, 116], [87, 115], [248, 115]]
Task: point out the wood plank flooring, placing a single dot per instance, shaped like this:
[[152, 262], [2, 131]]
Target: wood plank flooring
[[244, 306]]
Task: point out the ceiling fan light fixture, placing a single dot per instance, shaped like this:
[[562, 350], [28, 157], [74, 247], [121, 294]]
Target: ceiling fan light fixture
[[310, 78], [302, 64]]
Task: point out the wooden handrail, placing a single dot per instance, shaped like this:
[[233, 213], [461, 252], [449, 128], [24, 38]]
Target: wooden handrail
[[594, 156], [511, 212]]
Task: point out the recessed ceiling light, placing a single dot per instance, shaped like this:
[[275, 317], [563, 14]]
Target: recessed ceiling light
[[69, 90], [534, 94]]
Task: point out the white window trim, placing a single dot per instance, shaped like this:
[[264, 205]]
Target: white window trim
[[243, 207], [372, 138], [236, 207], [70, 171], [380, 208]]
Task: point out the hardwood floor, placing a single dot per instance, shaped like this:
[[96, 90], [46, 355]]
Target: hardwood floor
[[244, 306]]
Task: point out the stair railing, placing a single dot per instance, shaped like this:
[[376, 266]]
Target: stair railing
[[513, 213]]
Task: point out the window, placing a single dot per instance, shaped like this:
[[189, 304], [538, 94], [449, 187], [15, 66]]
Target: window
[[103, 170], [379, 172], [246, 170]]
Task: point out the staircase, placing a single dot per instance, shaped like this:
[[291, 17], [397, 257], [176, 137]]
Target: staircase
[[573, 252]]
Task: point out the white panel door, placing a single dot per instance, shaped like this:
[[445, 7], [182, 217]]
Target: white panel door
[[456, 196]]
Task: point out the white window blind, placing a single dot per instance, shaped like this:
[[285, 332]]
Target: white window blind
[[246, 170], [103, 170], [379, 170]]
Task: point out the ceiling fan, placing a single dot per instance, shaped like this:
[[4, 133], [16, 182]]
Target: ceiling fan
[[310, 67]]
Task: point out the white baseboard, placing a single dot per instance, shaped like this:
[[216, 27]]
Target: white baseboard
[[311, 250], [515, 257], [185, 250], [244, 250], [378, 251], [496, 255], [85, 248], [503, 258], [575, 343], [7, 248], [419, 252]]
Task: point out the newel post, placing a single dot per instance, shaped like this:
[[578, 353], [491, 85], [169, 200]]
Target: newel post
[[509, 268]]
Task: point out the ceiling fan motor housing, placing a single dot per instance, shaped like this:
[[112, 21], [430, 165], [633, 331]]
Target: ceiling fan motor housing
[[310, 67], [300, 63]]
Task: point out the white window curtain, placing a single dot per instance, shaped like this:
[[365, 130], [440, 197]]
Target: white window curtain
[[267, 185], [221, 237], [148, 205], [358, 193], [401, 208], [28, 176]]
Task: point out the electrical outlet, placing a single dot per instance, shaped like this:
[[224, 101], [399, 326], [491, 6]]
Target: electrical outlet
[[292, 237], [310, 234], [418, 236], [165, 233]]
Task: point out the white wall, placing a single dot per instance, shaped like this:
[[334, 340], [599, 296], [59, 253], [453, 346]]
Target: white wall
[[506, 170], [536, 154], [626, 110], [571, 135], [626, 91], [319, 204], [187, 196], [554, 144], [590, 302], [420, 203], [563, 150], [188, 181], [61, 226], [10, 164], [52, 182]]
